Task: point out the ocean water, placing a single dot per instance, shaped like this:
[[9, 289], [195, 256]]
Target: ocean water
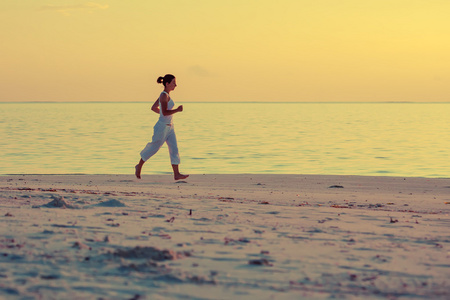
[[388, 139]]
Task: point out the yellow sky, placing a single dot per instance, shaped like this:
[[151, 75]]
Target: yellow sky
[[230, 50]]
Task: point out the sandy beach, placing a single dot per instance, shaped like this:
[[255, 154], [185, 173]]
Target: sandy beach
[[224, 237]]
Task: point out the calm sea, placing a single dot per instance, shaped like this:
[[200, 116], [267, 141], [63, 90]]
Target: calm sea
[[392, 139]]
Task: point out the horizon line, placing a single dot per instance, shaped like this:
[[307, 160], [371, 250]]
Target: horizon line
[[143, 101]]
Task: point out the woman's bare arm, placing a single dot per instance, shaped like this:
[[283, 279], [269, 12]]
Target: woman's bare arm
[[155, 106], [164, 99]]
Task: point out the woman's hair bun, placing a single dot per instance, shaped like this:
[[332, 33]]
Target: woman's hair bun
[[166, 79]]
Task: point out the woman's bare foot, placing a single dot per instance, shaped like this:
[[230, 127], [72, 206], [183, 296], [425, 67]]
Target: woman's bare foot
[[176, 173], [180, 176], [138, 168]]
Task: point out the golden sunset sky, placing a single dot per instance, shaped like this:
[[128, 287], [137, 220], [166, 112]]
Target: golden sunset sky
[[229, 50]]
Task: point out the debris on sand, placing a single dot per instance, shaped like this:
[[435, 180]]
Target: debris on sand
[[150, 253], [335, 186], [260, 262]]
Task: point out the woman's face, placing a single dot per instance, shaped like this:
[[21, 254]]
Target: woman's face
[[171, 86]]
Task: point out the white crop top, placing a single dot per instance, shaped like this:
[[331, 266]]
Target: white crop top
[[170, 105]]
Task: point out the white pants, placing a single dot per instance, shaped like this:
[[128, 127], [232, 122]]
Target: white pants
[[162, 133]]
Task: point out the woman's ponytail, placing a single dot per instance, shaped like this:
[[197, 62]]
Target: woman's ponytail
[[166, 79]]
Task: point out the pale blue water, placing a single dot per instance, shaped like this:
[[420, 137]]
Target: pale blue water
[[393, 139]]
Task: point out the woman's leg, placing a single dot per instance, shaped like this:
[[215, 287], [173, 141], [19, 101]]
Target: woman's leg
[[159, 136], [174, 155]]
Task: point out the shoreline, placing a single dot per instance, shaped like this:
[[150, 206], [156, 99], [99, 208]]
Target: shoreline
[[224, 236], [261, 186], [216, 174]]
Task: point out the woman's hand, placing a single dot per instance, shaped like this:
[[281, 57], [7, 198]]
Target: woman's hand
[[163, 100]]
